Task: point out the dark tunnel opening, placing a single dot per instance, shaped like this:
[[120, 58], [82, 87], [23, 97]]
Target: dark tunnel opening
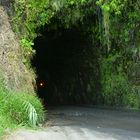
[[59, 66]]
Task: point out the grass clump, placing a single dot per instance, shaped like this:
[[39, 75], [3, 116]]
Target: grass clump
[[19, 109]]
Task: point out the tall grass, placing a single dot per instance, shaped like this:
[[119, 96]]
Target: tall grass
[[19, 109]]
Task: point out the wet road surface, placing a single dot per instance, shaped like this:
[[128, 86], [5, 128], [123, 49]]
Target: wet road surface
[[84, 123]]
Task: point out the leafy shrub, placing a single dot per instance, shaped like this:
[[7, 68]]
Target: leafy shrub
[[19, 109], [132, 99], [115, 87], [117, 90], [22, 108]]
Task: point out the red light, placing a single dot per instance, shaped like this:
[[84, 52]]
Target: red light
[[41, 84]]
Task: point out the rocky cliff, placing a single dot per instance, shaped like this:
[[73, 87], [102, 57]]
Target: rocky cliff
[[16, 76]]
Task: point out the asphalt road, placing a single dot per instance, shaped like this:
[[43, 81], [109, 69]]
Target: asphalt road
[[81, 123]]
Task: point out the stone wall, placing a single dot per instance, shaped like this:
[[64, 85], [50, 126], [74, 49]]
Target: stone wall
[[15, 74]]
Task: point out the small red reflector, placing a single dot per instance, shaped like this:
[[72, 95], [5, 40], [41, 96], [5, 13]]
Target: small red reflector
[[41, 84]]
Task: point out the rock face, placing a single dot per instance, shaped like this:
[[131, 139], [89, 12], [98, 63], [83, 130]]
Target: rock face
[[16, 76]]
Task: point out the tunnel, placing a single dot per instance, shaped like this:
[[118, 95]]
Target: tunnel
[[61, 65]]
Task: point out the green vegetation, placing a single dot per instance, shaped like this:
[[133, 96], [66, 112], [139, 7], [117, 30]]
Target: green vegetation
[[112, 63], [19, 110], [113, 29], [117, 90]]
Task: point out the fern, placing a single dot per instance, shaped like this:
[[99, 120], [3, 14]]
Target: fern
[[32, 113]]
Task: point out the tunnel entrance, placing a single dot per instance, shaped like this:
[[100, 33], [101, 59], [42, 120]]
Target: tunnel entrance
[[60, 64]]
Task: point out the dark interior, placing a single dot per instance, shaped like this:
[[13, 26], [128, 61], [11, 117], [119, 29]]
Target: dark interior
[[57, 62]]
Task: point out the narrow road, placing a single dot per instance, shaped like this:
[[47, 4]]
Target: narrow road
[[81, 123]]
